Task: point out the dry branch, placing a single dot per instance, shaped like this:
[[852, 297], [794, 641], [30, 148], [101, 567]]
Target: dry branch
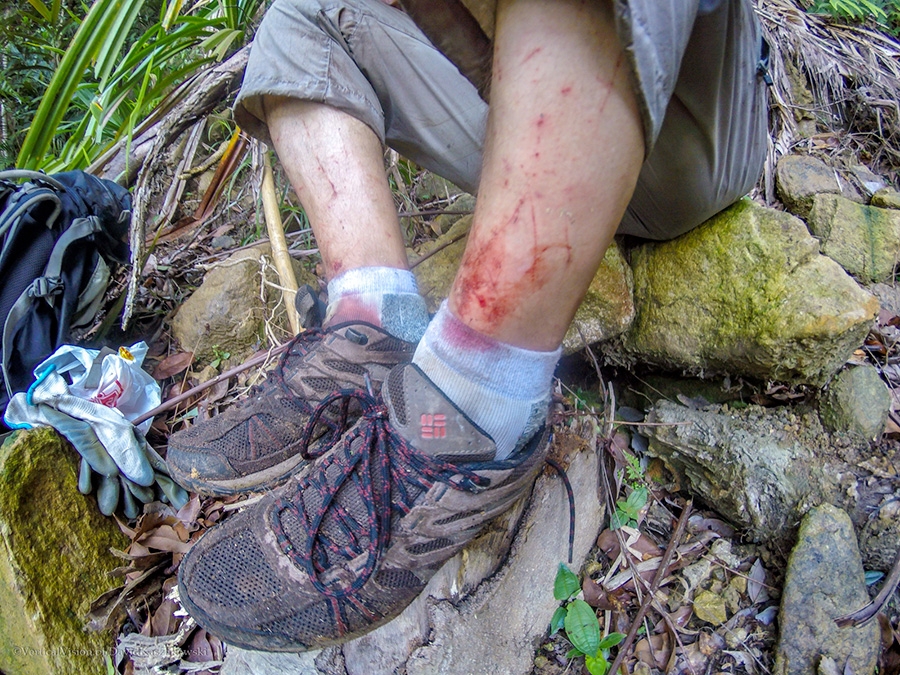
[[191, 101]]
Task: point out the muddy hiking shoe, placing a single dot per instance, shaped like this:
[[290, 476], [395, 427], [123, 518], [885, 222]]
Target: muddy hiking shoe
[[355, 536], [257, 443]]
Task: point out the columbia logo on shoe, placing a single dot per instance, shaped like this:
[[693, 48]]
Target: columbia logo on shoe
[[433, 426]]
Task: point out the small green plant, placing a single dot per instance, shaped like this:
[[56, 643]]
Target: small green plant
[[579, 621], [634, 471], [628, 510], [219, 355], [885, 13]]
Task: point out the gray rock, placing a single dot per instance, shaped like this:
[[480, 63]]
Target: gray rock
[[857, 402], [886, 198], [868, 181], [756, 475], [226, 313], [746, 293], [864, 240], [888, 297], [824, 580], [880, 535], [798, 178]]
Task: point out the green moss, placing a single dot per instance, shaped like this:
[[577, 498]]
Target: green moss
[[607, 308], [435, 274], [57, 546], [865, 240], [746, 292]]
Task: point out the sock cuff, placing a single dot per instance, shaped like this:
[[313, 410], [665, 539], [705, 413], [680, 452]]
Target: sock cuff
[[511, 371], [372, 280]]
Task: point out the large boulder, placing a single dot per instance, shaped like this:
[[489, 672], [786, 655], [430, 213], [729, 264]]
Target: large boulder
[[607, 308], [226, 313], [746, 293], [54, 560], [824, 580], [865, 240]]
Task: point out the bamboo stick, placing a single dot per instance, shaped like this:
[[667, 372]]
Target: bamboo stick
[[279, 245]]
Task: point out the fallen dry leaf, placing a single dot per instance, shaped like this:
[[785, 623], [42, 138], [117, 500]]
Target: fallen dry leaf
[[172, 365]]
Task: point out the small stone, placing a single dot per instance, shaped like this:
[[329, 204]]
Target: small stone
[[824, 578], [223, 242], [710, 607], [828, 666], [798, 178], [857, 402], [721, 549], [732, 599], [869, 181], [739, 584], [226, 312], [697, 573], [641, 668], [735, 638], [886, 198]]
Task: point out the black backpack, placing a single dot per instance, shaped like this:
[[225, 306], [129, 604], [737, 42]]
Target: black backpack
[[59, 235]]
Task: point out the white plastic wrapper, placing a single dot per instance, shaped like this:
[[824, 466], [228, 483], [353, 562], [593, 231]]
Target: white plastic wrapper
[[121, 383]]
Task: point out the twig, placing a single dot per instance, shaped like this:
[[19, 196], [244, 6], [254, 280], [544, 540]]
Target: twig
[[657, 580], [862, 616], [174, 401], [433, 212], [437, 249]]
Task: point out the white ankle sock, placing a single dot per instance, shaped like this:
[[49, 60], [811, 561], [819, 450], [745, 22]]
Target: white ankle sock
[[504, 389], [383, 296]]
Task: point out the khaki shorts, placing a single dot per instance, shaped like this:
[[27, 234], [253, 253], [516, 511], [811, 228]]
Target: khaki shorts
[[695, 71]]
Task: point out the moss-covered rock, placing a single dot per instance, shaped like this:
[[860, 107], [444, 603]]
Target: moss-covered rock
[[226, 313], [436, 271], [886, 198], [746, 293], [607, 309], [54, 560], [864, 240]]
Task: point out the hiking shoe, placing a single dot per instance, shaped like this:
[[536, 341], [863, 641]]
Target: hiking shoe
[[257, 443], [355, 536]]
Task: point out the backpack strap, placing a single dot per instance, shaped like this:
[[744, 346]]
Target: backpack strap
[[28, 197], [17, 174], [47, 286]]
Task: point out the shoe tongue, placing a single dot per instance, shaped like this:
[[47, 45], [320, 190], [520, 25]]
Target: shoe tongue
[[430, 422]]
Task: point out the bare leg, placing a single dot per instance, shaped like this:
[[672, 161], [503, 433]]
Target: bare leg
[[563, 151], [335, 163]]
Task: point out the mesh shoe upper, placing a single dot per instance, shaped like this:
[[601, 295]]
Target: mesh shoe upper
[[257, 443], [356, 534]]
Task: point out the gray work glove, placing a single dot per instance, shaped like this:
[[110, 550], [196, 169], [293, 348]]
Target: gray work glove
[[108, 444]]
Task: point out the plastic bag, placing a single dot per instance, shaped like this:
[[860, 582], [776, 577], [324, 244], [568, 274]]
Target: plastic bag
[[113, 379]]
